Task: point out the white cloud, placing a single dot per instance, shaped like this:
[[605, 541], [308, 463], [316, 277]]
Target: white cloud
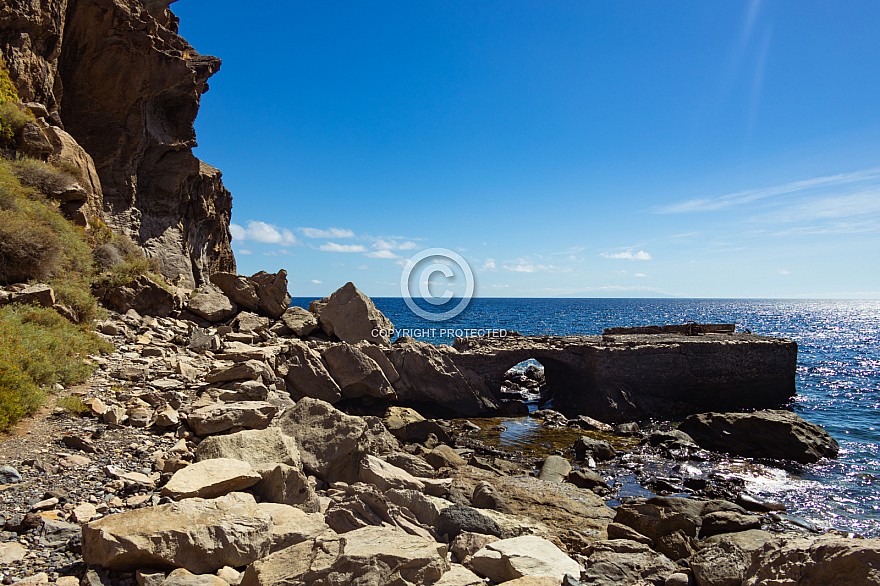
[[244, 251], [316, 281], [262, 232], [784, 272], [525, 266], [334, 247], [640, 275], [363, 268], [328, 233], [489, 265], [627, 255], [382, 254], [394, 245]]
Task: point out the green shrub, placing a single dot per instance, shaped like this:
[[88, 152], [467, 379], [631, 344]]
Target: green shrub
[[74, 291], [29, 250], [73, 404], [43, 177], [69, 168], [39, 348]]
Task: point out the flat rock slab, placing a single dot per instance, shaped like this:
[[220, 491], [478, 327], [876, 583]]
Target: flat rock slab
[[210, 479], [528, 555], [219, 417], [194, 534], [254, 446]]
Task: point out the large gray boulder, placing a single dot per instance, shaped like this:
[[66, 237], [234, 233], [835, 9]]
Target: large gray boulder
[[619, 561], [307, 376], [210, 303], [356, 373], [370, 555], [144, 295], [220, 417], [724, 559], [332, 443], [254, 446], [352, 317], [301, 321], [193, 533], [827, 560], [776, 434], [264, 293]]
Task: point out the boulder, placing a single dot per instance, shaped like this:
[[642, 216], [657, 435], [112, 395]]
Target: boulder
[[456, 519], [598, 449], [248, 370], [670, 523], [444, 457], [775, 434], [586, 478], [723, 560], [425, 508], [428, 375], [307, 376], [193, 533], [352, 317], [263, 292], [247, 322], [416, 466], [619, 561], [301, 322], [183, 577], [385, 476], [37, 294], [254, 446], [486, 496], [356, 373], [332, 443], [467, 544], [212, 304], [363, 505], [827, 560], [370, 555], [287, 485], [210, 479], [528, 555], [458, 575], [291, 525], [554, 469], [144, 295], [220, 417], [728, 522]]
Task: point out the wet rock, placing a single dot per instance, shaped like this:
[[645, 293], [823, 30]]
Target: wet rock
[[598, 449], [223, 416], [192, 533], [619, 561], [460, 518], [210, 479], [528, 555], [764, 434], [307, 375], [254, 446], [586, 478], [370, 555], [352, 317], [554, 469]]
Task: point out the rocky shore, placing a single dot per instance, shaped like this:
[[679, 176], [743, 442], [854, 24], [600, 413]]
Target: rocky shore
[[233, 440]]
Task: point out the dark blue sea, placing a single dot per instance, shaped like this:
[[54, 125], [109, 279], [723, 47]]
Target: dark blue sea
[[838, 377]]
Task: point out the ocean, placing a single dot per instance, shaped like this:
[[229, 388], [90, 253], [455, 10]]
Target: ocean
[[838, 377]]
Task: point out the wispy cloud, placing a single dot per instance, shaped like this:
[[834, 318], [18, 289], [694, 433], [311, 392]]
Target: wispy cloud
[[384, 253], [384, 244], [316, 281], [627, 255], [328, 233], [335, 247], [244, 251], [488, 265], [262, 232], [525, 266], [739, 198]]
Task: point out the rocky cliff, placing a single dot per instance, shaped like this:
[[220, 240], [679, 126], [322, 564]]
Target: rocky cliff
[[118, 78]]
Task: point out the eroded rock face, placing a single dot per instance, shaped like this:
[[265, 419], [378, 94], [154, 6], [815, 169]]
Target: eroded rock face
[[826, 560], [132, 88]]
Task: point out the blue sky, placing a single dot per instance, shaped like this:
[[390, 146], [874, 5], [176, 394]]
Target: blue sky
[[597, 149]]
